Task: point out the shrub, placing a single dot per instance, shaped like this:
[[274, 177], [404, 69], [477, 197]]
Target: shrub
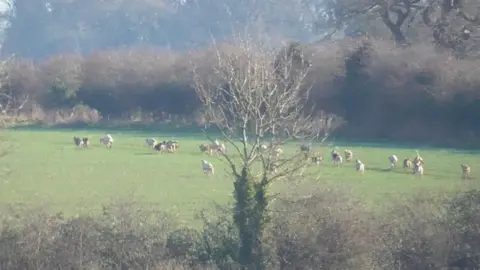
[[384, 92]]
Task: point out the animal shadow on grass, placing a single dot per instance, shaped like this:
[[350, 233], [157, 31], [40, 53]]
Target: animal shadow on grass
[[398, 170], [401, 170], [377, 169], [146, 154]]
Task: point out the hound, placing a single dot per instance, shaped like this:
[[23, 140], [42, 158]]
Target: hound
[[418, 158], [335, 156], [393, 161], [172, 146], [176, 144], [418, 168], [216, 144], [278, 151], [306, 155], [305, 148], [78, 142], [207, 167], [160, 146], [338, 160], [214, 148], [151, 142], [360, 166], [263, 147], [107, 140], [86, 142], [221, 148], [205, 148], [466, 171], [317, 159], [272, 167], [407, 163], [348, 155]]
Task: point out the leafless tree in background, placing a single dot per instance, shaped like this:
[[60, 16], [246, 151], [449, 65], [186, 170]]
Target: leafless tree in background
[[256, 95], [10, 103], [455, 25], [259, 96]]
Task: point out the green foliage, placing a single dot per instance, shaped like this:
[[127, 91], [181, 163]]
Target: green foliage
[[183, 242], [62, 93], [244, 216], [251, 217], [462, 216], [355, 94]]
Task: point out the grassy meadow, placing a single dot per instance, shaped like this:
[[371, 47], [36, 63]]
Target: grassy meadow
[[45, 168]]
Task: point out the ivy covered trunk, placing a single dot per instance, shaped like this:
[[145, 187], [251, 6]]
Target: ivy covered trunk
[[250, 217]]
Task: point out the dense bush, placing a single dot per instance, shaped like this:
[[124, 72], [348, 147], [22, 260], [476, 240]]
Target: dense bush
[[327, 230], [413, 93]]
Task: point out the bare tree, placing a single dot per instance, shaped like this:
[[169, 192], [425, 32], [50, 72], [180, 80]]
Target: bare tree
[[455, 25], [258, 96], [396, 15], [336, 15], [10, 102], [254, 96]]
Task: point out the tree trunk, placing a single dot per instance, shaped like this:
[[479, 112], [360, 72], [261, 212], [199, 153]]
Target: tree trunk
[[250, 218], [243, 208], [397, 33]]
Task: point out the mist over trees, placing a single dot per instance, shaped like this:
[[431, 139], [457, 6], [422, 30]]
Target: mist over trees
[[393, 69]]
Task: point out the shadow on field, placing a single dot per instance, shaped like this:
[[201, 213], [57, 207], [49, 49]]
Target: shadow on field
[[409, 172], [377, 169], [145, 154]]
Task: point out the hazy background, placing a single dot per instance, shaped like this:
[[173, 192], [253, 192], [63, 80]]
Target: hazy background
[[397, 70], [38, 28]]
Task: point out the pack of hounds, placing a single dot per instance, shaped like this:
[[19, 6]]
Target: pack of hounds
[[163, 147], [416, 164], [84, 142], [217, 148]]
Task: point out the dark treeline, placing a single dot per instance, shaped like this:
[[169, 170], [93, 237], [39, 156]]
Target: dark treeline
[[382, 92]]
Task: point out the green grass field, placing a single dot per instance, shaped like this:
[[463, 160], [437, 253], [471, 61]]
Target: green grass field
[[44, 168]]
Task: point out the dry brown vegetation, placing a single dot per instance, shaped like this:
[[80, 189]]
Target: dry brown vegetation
[[382, 91], [327, 230]]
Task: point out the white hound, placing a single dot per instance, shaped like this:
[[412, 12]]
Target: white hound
[[207, 167]]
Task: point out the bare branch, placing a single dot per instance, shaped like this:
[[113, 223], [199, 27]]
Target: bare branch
[[453, 26], [251, 93], [10, 102]]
